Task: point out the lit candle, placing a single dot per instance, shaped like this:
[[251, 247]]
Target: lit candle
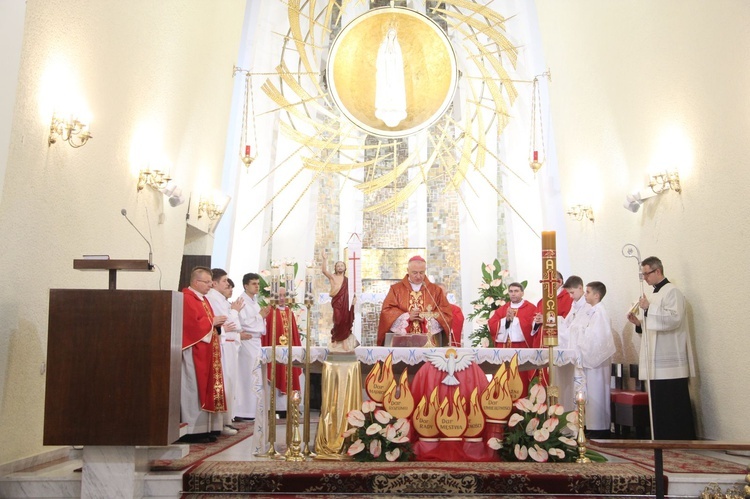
[[247, 150], [289, 277], [580, 397], [536, 155]]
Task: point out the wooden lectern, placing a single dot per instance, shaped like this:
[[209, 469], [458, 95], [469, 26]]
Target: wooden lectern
[[113, 367]]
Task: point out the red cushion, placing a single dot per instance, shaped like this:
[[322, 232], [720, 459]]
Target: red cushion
[[613, 394], [629, 397]]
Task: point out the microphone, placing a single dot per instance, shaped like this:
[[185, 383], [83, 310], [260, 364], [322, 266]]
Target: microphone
[[124, 213]]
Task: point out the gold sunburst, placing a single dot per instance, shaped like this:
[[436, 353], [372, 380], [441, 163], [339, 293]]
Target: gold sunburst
[[334, 143]]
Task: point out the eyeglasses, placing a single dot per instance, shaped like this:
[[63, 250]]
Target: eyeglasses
[[205, 282], [649, 272]]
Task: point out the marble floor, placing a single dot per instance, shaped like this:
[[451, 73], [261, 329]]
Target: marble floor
[[59, 475]]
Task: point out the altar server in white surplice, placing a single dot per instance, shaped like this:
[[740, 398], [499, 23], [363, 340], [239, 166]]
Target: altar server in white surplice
[[253, 325], [229, 339], [567, 377], [596, 346]]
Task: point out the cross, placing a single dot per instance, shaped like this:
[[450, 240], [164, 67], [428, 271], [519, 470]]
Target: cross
[[354, 259], [550, 281]]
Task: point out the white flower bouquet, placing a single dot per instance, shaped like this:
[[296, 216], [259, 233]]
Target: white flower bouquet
[[379, 436]]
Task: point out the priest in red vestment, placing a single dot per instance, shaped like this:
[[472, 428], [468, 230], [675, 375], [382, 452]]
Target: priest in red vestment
[[286, 330], [415, 306], [202, 391], [511, 324]]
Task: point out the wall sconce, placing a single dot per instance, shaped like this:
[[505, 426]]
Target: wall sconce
[[662, 182], [579, 212], [70, 130], [156, 179], [210, 208]]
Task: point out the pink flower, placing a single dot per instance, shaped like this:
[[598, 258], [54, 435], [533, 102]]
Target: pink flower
[[496, 282], [550, 424], [568, 441], [523, 405], [521, 452], [393, 455], [397, 435], [480, 321], [382, 416], [402, 425], [502, 303], [532, 426], [541, 435], [541, 408], [477, 307], [484, 342], [373, 429], [495, 443], [489, 268], [356, 448], [368, 406], [489, 300], [556, 410], [499, 303], [558, 453], [514, 420], [484, 285], [264, 273], [349, 432], [505, 273], [572, 417], [375, 448], [537, 394], [356, 418], [538, 454]]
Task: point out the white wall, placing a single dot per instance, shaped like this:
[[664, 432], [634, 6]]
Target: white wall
[[644, 85], [155, 77]]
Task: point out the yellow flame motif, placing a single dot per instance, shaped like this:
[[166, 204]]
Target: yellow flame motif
[[475, 417], [398, 399], [515, 383], [424, 415], [451, 416], [379, 379], [496, 400]]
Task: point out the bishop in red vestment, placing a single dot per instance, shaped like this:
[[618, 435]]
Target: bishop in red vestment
[[410, 297]]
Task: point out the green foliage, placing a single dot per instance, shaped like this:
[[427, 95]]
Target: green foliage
[[493, 294]]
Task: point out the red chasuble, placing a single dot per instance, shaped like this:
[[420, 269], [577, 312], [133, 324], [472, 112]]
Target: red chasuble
[[399, 300], [343, 314], [285, 324], [197, 322], [525, 316]]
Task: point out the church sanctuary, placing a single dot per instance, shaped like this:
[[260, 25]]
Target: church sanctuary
[[374, 248]]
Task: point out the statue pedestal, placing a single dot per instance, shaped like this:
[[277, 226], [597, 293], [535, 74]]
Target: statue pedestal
[[341, 390]]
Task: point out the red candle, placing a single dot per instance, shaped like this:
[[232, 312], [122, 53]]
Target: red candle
[[536, 155], [247, 150]]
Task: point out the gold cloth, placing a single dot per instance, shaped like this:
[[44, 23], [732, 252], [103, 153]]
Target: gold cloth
[[341, 392]]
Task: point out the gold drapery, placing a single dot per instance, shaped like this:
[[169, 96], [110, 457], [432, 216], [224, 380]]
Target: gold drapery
[[341, 392]]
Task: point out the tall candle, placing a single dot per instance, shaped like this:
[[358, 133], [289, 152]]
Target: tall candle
[[549, 289]]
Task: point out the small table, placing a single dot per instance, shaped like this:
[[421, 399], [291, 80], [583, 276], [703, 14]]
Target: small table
[[659, 445]]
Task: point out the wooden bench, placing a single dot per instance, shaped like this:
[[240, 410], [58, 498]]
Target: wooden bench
[[659, 445]]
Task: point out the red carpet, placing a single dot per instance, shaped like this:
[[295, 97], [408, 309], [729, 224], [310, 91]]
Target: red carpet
[[199, 452], [683, 461], [449, 479]]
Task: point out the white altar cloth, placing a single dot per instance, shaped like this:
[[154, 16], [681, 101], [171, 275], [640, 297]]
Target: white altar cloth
[[371, 355]]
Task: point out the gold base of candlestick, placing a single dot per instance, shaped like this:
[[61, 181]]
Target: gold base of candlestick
[[293, 449], [581, 438]]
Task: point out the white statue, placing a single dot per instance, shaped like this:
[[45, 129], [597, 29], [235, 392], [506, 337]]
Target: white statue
[[390, 92]]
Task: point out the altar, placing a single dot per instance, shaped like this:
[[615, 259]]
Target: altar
[[489, 359]]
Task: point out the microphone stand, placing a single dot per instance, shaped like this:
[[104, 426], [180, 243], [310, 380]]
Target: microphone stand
[[631, 251]]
